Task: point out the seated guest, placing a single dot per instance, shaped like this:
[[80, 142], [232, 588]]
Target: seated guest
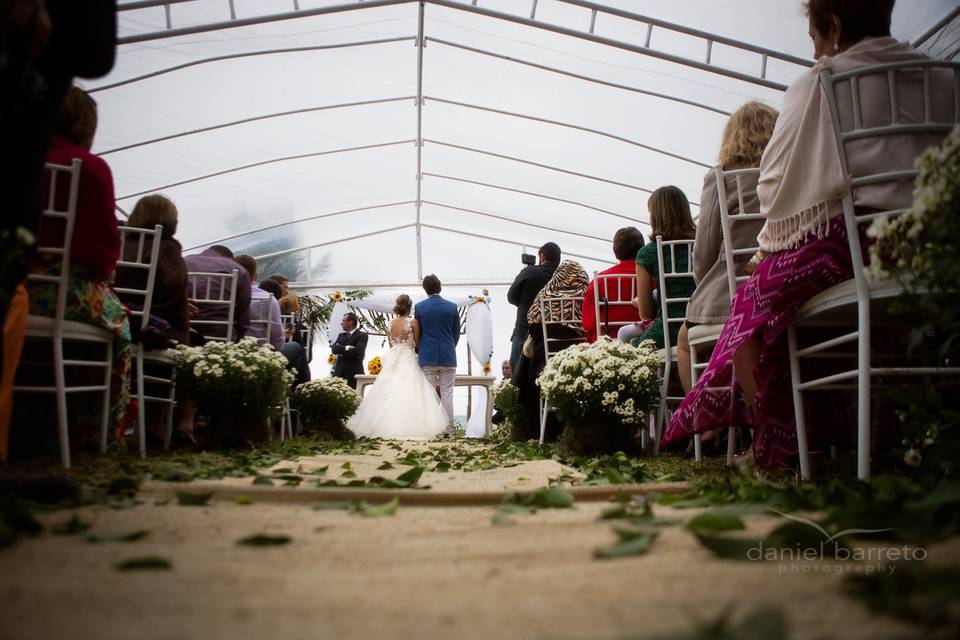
[[626, 243], [745, 136], [804, 246], [219, 259], [264, 307], [95, 249], [169, 300], [283, 281], [272, 287], [568, 281], [525, 286], [669, 218]]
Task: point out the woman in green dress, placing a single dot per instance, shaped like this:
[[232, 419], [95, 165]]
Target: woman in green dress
[[669, 218]]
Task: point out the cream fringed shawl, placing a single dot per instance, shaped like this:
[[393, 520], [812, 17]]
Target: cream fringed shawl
[[801, 182]]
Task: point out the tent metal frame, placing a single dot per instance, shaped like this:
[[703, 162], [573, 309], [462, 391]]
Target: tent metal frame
[[588, 32]]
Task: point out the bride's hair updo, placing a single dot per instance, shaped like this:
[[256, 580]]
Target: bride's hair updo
[[403, 305]]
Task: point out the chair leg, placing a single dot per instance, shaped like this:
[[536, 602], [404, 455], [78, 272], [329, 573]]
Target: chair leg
[[543, 419], [863, 393], [697, 449], [171, 406], [105, 418], [798, 413], [662, 411], [141, 406], [731, 444], [60, 389]]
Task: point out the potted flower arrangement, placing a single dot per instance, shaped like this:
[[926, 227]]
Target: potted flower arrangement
[[325, 405], [602, 393], [239, 386], [506, 398]]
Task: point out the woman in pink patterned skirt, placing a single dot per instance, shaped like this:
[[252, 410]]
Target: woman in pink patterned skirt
[[803, 241]]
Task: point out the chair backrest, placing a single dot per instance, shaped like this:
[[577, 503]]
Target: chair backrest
[[677, 248], [260, 315], [554, 312], [53, 213], [731, 249], [612, 290], [213, 291], [286, 320], [137, 269], [843, 93]]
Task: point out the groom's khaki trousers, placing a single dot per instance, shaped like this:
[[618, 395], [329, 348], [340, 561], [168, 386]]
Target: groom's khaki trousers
[[443, 377]]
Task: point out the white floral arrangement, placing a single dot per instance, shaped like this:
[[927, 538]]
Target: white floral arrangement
[[327, 398], [608, 379], [232, 376], [920, 245]]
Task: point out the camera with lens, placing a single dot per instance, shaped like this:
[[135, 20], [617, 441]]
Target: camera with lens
[[527, 258]]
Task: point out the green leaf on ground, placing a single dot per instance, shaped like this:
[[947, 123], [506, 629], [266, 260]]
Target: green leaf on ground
[[282, 470], [728, 547], [265, 480], [118, 536], [386, 465], [243, 500], [378, 510], [145, 562], [123, 485], [332, 505], [549, 498], [264, 540], [412, 475], [72, 526], [634, 546], [188, 499], [348, 474], [716, 520]]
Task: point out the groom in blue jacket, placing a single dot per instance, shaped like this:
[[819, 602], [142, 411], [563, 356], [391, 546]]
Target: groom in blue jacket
[[439, 333]]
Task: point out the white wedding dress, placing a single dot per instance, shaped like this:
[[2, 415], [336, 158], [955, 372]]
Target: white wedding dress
[[400, 404]]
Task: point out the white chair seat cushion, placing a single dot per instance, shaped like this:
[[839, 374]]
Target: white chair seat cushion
[[701, 333], [837, 300], [43, 326]]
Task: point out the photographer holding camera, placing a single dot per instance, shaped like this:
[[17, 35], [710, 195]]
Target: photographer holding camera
[[524, 289]]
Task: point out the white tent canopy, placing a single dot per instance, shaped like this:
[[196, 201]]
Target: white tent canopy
[[363, 144]]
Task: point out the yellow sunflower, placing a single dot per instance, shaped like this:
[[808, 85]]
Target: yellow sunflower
[[332, 359], [374, 366], [480, 299], [337, 296], [487, 368]]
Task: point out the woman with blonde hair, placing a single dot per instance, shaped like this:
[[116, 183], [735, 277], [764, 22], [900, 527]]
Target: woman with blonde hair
[[670, 219], [744, 138]]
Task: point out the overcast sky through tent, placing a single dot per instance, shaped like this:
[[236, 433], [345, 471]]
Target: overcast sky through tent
[[469, 185]]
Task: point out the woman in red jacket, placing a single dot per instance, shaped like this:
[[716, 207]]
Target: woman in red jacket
[[95, 249]]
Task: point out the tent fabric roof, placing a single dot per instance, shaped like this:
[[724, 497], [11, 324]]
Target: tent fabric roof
[[296, 130]]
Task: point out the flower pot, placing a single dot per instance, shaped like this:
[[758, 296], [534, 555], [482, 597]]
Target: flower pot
[[594, 437], [328, 428], [232, 429]]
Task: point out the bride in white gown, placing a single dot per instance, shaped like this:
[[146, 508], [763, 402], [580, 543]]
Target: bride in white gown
[[401, 404]]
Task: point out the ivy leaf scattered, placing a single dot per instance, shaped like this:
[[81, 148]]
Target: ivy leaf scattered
[[264, 540], [378, 510], [153, 563], [631, 544], [71, 527], [189, 499], [118, 536]]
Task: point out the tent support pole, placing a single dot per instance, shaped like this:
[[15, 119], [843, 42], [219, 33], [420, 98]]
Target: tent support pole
[[419, 203]]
